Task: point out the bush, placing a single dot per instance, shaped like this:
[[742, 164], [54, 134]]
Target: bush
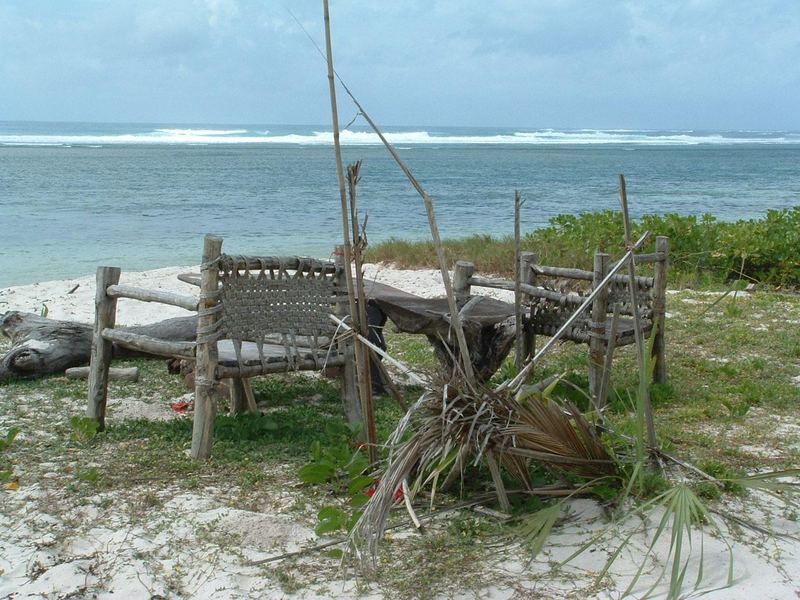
[[702, 249]]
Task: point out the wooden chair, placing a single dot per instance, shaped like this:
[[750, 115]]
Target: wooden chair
[[551, 295], [256, 316]]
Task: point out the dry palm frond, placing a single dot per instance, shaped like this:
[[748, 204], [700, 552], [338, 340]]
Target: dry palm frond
[[454, 423]]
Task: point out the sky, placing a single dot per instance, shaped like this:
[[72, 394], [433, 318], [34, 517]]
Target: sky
[[682, 64]]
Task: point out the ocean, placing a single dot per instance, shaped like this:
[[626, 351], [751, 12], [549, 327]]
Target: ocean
[[140, 196]]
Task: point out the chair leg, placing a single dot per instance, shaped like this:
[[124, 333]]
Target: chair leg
[[242, 397], [206, 353], [100, 362]]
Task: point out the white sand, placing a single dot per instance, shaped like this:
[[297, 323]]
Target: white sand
[[79, 305], [186, 544]]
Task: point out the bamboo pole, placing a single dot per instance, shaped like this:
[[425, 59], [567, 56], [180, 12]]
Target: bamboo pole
[[372, 443], [644, 387], [451, 303]]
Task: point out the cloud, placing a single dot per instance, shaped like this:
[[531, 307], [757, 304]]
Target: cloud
[[571, 63]]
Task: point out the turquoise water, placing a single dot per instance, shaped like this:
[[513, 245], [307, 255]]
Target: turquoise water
[[75, 196]]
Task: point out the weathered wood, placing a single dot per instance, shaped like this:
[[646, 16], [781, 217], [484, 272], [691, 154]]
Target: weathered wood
[[659, 311], [361, 360], [149, 345], [247, 371], [206, 352], [597, 342], [114, 373], [582, 275], [520, 378], [105, 317], [393, 361], [241, 396], [45, 346], [350, 398], [519, 343], [650, 257], [144, 295], [530, 290], [605, 382], [528, 278], [644, 390], [364, 367], [461, 280]]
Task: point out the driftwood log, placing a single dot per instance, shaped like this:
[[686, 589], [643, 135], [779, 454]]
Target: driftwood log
[[43, 346]]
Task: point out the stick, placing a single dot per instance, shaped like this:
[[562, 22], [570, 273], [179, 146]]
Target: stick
[[393, 361], [644, 388], [518, 341], [364, 371], [359, 350], [605, 380], [393, 391]]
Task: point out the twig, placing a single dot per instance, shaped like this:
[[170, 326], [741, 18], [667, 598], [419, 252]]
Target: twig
[[393, 361], [336, 542], [754, 526]]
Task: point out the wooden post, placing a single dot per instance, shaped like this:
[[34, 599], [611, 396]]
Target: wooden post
[[598, 343], [241, 395], [646, 411], [659, 310], [206, 352], [528, 276], [605, 382], [105, 315], [350, 397], [519, 344], [364, 367], [461, 274]]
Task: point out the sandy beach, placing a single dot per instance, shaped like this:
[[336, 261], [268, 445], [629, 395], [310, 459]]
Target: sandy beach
[[54, 547]]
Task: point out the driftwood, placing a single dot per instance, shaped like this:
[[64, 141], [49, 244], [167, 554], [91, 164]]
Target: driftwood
[[45, 346]]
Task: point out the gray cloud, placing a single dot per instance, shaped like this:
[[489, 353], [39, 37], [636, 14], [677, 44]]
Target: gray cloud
[[684, 64]]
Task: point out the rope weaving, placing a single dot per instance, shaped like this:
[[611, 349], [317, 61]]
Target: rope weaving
[[274, 303]]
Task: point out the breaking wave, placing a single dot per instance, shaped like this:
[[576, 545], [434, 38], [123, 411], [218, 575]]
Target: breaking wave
[[364, 138]]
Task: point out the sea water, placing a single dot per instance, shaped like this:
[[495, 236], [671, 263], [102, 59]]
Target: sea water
[[139, 196]]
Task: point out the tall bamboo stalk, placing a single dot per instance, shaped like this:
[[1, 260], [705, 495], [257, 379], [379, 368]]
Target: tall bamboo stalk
[[455, 321], [455, 317], [359, 350], [646, 412]]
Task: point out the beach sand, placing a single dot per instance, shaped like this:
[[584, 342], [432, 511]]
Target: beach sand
[[51, 547]]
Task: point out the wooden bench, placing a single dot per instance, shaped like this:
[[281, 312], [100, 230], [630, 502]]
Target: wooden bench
[[256, 315], [550, 295]]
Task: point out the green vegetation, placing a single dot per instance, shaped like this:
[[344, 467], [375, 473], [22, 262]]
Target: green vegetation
[[703, 250]]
